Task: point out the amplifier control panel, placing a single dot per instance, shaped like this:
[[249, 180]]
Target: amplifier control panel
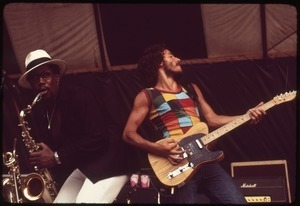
[[258, 199]]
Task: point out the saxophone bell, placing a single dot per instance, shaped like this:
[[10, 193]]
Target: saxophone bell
[[33, 187]]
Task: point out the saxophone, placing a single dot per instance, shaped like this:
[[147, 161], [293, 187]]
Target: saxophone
[[48, 190], [11, 184]]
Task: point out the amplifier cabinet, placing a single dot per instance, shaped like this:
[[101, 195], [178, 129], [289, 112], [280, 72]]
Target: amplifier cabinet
[[262, 181]]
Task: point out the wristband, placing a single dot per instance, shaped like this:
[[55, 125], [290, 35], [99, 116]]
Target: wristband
[[57, 158]]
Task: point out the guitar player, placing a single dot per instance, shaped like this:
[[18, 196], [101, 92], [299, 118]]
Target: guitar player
[[172, 111]]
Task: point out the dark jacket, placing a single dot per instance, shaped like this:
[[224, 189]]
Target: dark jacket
[[88, 140]]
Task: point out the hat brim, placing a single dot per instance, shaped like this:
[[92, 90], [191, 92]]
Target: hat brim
[[23, 82]]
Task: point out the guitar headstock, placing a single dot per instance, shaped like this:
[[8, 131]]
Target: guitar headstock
[[288, 96]]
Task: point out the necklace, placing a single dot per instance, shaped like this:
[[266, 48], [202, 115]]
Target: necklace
[[51, 117]]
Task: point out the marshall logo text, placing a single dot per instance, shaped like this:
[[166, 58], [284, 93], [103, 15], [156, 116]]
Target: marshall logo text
[[245, 185]]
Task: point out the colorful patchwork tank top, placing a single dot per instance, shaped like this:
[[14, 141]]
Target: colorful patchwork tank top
[[171, 114]]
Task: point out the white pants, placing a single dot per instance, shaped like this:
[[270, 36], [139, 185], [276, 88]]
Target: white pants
[[79, 189]]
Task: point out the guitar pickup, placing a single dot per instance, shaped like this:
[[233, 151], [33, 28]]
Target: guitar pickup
[[184, 155], [199, 144]]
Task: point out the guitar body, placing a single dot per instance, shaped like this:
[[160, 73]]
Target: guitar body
[[197, 155]]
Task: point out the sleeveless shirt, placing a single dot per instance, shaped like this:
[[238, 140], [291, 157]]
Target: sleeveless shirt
[[171, 113]]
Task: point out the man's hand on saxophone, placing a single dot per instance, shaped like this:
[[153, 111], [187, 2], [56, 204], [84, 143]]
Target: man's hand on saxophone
[[43, 158]]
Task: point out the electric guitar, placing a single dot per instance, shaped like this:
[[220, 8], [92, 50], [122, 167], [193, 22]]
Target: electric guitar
[[195, 142]]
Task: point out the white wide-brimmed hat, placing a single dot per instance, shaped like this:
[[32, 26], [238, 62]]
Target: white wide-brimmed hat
[[38, 58]]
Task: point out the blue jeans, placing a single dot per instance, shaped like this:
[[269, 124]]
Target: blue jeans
[[214, 182]]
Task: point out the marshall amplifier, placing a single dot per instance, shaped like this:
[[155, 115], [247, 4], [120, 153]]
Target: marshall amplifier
[[262, 181]]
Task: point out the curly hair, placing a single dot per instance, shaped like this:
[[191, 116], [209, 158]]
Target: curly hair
[[150, 60]]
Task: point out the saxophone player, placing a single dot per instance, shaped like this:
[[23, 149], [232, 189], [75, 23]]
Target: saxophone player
[[72, 134]]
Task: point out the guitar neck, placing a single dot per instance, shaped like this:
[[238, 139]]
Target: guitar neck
[[232, 125]]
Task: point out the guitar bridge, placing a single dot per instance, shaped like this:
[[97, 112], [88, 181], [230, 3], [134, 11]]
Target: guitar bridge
[[179, 170]]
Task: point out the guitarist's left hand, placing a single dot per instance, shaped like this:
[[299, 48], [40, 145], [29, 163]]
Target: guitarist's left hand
[[256, 113]]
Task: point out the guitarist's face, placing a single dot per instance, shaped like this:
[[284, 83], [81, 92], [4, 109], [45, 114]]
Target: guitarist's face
[[171, 64]]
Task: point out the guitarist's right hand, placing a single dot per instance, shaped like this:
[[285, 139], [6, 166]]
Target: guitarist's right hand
[[170, 149]]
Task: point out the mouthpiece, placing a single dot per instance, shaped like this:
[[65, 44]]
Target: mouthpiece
[[38, 97]]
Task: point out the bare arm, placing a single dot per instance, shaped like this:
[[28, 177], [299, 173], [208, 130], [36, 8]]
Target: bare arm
[[167, 148], [214, 120]]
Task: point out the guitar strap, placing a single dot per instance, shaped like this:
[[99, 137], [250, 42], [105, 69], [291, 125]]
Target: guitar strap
[[192, 93]]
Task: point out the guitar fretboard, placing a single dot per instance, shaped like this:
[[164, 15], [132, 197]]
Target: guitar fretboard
[[233, 124]]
